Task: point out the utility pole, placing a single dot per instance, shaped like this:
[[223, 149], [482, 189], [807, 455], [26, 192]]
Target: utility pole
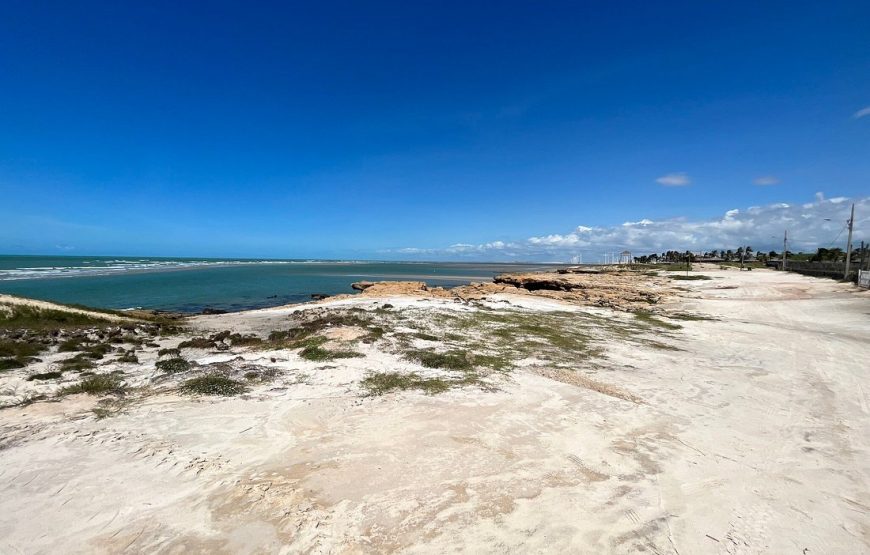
[[849, 244], [784, 248]]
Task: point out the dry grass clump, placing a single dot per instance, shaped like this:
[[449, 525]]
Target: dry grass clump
[[95, 385]]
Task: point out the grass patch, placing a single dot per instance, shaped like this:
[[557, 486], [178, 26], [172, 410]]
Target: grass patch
[[77, 363], [238, 340], [385, 382], [212, 384], [173, 365], [71, 345], [10, 364], [45, 376], [692, 277], [450, 360], [95, 385], [197, 343], [20, 349], [318, 354], [18, 316], [171, 352], [649, 318], [129, 356], [109, 407], [689, 317], [293, 337]]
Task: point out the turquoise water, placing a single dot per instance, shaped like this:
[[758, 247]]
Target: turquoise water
[[190, 284]]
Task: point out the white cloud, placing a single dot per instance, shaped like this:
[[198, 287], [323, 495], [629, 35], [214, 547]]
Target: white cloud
[[810, 225], [766, 180], [674, 180], [862, 112]]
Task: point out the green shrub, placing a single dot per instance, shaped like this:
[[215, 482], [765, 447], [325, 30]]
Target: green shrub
[[172, 352], [70, 345], [10, 364], [18, 349], [212, 384], [197, 343], [77, 363], [129, 356], [45, 376], [173, 365]]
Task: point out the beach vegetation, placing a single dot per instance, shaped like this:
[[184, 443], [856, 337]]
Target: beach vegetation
[[78, 363], [21, 316], [45, 376], [319, 354], [212, 384], [238, 340], [690, 277], [450, 360], [381, 383], [10, 364], [689, 317], [129, 356], [97, 384], [109, 406], [173, 365], [18, 354], [197, 343], [169, 352], [649, 318]]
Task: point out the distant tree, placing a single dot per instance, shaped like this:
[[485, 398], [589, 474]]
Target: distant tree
[[772, 254]]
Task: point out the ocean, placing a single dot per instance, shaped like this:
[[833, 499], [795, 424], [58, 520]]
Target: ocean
[[193, 284]]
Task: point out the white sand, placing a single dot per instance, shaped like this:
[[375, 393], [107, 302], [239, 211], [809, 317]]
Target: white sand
[[752, 439]]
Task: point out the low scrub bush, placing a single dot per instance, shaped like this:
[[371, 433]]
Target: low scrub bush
[[385, 382], [45, 376], [173, 365], [212, 384]]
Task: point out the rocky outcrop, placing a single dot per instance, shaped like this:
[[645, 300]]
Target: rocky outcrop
[[619, 290], [387, 288], [362, 285]]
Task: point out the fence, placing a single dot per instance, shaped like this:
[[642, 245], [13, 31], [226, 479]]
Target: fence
[[820, 269], [864, 279]]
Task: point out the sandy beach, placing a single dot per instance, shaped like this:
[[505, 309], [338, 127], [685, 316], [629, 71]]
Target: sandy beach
[[731, 417]]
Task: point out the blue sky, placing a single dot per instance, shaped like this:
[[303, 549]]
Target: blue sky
[[406, 129]]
